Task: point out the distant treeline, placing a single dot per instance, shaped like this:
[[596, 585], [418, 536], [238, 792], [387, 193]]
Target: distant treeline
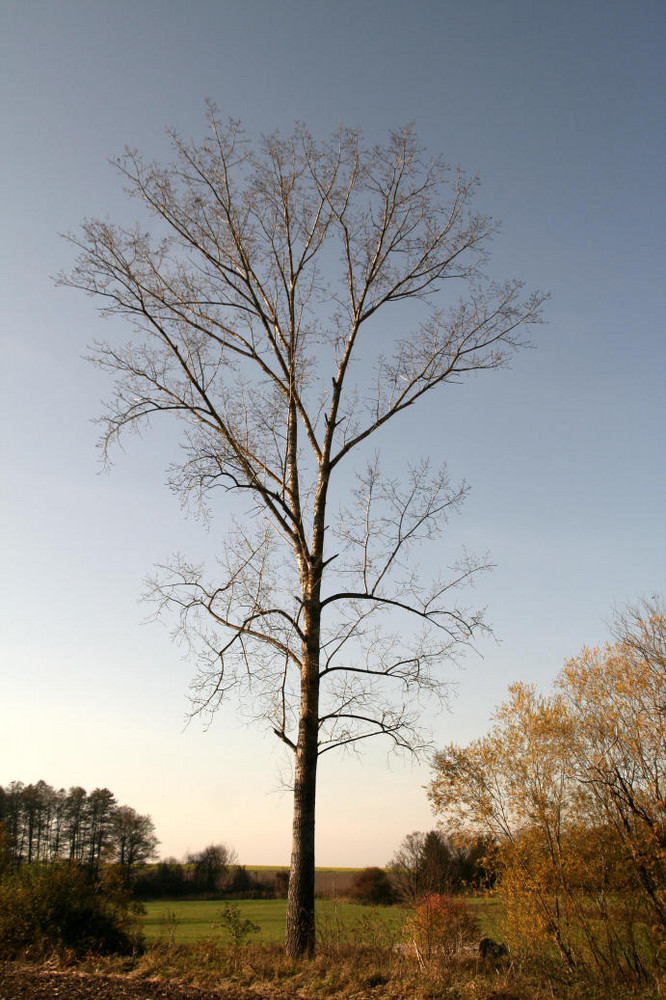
[[210, 873], [39, 823]]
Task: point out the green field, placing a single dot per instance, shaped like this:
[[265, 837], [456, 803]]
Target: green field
[[183, 921]]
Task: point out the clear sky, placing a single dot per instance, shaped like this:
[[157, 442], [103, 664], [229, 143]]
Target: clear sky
[[560, 107]]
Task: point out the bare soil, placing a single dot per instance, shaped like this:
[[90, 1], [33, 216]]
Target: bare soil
[[33, 982]]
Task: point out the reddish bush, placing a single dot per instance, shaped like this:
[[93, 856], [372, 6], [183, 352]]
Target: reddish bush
[[440, 925]]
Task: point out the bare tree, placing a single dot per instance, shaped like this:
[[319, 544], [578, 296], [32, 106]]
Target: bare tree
[[100, 813], [257, 306], [406, 865], [211, 866], [134, 840]]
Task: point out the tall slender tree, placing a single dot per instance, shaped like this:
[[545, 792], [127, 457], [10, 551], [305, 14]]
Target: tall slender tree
[[133, 839], [256, 301]]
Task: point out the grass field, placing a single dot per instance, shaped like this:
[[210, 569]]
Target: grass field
[[185, 921]]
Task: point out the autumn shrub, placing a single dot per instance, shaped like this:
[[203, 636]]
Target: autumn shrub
[[56, 908], [440, 926]]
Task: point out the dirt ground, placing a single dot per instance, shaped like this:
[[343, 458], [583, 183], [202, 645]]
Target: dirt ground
[[30, 982]]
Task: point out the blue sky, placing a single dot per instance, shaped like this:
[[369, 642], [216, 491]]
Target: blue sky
[[560, 109]]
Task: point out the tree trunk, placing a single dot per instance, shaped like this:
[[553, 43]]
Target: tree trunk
[[300, 936]]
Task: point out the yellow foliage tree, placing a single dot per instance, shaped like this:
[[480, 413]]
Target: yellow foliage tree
[[618, 698], [571, 786]]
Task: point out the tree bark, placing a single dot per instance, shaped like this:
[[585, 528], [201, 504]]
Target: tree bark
[[300, 934], [300, 939]]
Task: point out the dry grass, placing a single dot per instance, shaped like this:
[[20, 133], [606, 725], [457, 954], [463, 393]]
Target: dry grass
[[368, 958], [370, 968]]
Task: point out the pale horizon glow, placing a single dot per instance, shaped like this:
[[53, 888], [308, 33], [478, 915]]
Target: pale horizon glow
[[560, 109]]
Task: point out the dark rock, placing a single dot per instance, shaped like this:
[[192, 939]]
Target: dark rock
[[491, 949]]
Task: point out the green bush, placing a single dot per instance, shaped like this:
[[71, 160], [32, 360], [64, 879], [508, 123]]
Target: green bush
[[230, 921], [57, 908]]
